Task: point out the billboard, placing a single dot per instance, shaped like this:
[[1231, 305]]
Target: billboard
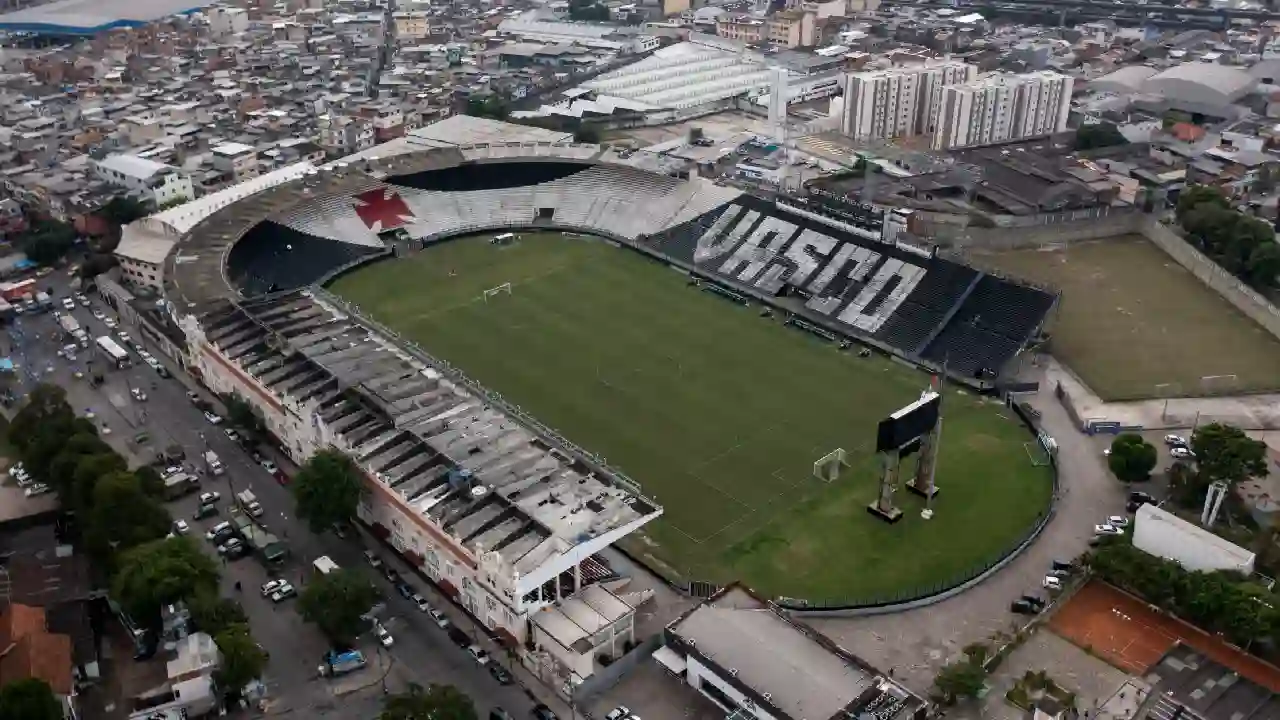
[[907, 425]]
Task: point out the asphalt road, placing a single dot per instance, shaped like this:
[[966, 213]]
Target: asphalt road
[[422, 653]]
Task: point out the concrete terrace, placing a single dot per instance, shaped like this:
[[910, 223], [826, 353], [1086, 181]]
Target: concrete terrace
[[479, 475]]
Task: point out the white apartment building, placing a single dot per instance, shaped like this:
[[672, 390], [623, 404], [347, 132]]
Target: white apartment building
[[224, 21], [899, 101], [1003, 108], [498, 519], [151, 181]]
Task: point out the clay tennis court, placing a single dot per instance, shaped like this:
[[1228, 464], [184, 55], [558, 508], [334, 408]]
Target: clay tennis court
[[1133, 636]]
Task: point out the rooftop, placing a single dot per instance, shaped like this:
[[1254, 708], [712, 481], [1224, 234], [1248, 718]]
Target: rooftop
[[132, 166], [1153, 514], [683, 75], [138, 242], [85, 17], [573, 621], [232, 149], [449, 456], [801, 674]]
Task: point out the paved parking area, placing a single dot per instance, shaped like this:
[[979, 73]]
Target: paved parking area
[[653, 693]]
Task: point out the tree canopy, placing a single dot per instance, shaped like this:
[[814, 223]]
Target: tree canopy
[[214, 614], [1099, 135], [1224, 453], [1243, 245], [123, 516], [492, 106], [242, 414], [1132, 459], [242, 659], [162, 572], [29, 699], [962, 679], [335, 602], [45, 242], [437, 702], [327, 490]]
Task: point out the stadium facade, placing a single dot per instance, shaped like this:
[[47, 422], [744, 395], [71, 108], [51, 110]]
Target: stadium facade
[[90, 17], [498, 510]]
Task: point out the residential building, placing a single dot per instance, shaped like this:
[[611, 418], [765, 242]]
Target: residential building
[[411, 26], [792, 28], [151, 181], [240, 161], [744, 29], [144, 244], [224, 21], [753, 661], [28, 650], [344, 134], [899, 101], [1002, 108]]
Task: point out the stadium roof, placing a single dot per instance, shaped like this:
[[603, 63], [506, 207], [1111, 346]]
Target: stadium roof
[[88, 17], [132, 166], [681, 76], [1202, 83], [1128, 79], [185, 216]]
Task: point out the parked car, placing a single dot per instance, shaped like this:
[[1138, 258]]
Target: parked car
[[180, 527], [212, 417], [421, 602], [405, 590], [220, 532], [138, 394], [478, 654], [1107, 529], [231, 547], [374, 561], [1063, 565], [208, 498], [458, 636], [1051, 583], [1175, 441], [1022, 607], [270, 467], [542, 712], [622, 712], [500, 674], [1182, 453], [36, 489], [1119, 521], [1033, 600], [1137, 499], [383, 636], [284, 592], [271, 586], [205, 511], [438, 618], [232, 435]]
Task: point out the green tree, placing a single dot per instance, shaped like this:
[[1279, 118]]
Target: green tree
[[243, 415], [1197, 195], [586, 134], [242, 659], [437, 702], [1099, 135], [214, 614], [962, 679], [40, 429], [89, 469], [1263, 267], [29, 699], [327, 490], [123, 516], [118, 212], [335, 603], [490, 106], [162, 572], [1225, 454], [1132, 459], [46, 242], [151, 482]]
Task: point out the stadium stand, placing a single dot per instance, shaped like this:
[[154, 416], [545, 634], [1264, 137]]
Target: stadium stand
[[923, 308]]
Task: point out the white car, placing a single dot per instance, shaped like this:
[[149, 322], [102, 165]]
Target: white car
[[384, 637], [269, 467], [217, 530], [478, 654], [181, 527], [421, 602], [622, 712], [438, 618], [171, 471], [1182, 453], [271, 586], [98, 314], [284, 592], [69, 303], [1107, 529], [212, 417], [84, 301], [36, 489], [1119, 521], [1051, 583], [105, 429], [138, 394], [1175, 441], [208, 498], [111, 324]]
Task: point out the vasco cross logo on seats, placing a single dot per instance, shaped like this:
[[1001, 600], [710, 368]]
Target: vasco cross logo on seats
[[382, 209]]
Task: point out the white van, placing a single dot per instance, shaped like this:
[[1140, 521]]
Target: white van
[[213, 462]]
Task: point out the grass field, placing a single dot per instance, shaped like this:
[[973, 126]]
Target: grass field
[[1132, 318], [717, 412]]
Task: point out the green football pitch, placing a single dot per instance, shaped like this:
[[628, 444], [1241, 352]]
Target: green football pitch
[[717, 412]]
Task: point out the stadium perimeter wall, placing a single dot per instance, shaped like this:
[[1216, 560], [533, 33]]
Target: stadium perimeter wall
[[1058, 229]]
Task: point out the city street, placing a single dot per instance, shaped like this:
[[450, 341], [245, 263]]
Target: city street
[[422, 653]]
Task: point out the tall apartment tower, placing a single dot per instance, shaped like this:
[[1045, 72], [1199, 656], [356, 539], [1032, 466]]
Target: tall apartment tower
[[899, 101], [1003, 108]]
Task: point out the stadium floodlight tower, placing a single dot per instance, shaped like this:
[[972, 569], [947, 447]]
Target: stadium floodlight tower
[[911, 430]]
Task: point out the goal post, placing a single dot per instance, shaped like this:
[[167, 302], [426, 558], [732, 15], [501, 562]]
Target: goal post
[[493, 291], [827, 468]]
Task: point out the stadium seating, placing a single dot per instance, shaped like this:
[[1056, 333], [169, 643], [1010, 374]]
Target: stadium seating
[[272, 258], [483, 176], [996, 319], [918, 317]]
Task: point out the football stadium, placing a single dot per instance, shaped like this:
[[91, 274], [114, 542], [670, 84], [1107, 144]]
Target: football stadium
[[537, 350]]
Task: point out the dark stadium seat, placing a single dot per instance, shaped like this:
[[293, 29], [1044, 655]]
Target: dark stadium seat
[[272, 258], [918, 316], [485, 176], [995, 321]]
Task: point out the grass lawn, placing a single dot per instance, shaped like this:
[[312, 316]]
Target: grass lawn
[[717, 412], [1132, 318]]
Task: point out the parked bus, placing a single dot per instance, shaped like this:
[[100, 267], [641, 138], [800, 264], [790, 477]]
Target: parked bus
[[112, 351]]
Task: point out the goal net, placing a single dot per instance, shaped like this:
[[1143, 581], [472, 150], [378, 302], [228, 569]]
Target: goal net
[[494, 291], [828, 467]]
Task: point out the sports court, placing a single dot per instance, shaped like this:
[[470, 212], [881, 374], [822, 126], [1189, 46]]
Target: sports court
[[1133, 636], [718, 412], [1134, 324]]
